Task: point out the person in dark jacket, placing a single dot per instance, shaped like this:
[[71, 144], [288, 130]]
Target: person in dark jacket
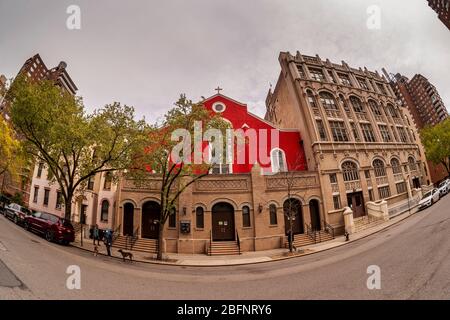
[[108, 241], [96, 234]]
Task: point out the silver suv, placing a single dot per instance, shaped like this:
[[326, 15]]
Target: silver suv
[[16, 212]]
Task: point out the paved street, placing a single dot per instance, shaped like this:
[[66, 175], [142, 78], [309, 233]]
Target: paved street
[[414, 257]]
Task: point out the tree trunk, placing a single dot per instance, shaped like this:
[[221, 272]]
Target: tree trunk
[[159, 256], [68, 207]]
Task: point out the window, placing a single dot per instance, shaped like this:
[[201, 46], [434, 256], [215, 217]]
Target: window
[[357, 105], [375, 108], [321, 129], [46, 196], [36, 194], [384, 192], [301, 72], [219, 168], [403, 136], [385, 133], [350, 171], [337, 202], [245, 216], [273, 214], [40, 167], [278, 160], [331, 75], [90, 184], [381, 88], [328, 101], [401, 187], [218, 107], [199, 218], [392, 111], [371, 195], [59, 199], [394, 133], [338, 131], [173, 218], [378, 167], [311, 99], [362, 83], [49, 175], [395, 164], [412, 164], [344, 79], [316, 74], [355, 131], [333, 178], [108, 180], [367, 132], [105, 210]]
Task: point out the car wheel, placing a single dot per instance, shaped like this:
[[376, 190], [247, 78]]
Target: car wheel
[[49, 236]]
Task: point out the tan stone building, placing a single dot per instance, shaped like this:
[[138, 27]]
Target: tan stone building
[[362, 145]]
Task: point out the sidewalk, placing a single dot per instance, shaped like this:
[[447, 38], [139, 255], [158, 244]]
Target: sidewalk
[[249, 257]]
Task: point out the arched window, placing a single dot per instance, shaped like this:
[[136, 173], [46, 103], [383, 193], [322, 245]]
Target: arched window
[[278, 160], [199, 218], [392, 110], [375, 108], [350, 171], [328, 101], [105, 210], [379, 168], [311, 99], [395, 164], [245, 216], [108, 179], [273, 214], [412, 164], [173, 218], [357, 105]]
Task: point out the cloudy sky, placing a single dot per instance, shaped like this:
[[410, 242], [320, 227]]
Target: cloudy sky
[[145, 53]]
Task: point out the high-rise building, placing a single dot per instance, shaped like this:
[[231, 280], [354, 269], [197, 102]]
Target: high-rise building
[[363, 145], [36, 70], [424, 103], [442, 8]]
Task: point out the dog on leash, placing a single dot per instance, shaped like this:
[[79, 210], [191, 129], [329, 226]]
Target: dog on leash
[[95, 251], [126, 254]]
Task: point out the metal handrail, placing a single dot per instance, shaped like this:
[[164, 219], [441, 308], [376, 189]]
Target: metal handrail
[[310, 232], [329, 229], [116, 233], [238, 241], [210, 242], [134, 237]]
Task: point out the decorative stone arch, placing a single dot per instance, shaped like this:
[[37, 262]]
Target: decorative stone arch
[[125, 201], [351, 159], [294, 196], [201, 205], [284, 160], [376, 157], [276, 203], [248, 204], [147, 199], [228, 200], [325, 90]]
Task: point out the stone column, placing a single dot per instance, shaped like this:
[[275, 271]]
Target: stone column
[[348, 220]]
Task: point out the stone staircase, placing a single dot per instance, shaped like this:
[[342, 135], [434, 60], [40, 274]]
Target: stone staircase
[[141, 244], [366, 222], [301, 240], [223, 248]]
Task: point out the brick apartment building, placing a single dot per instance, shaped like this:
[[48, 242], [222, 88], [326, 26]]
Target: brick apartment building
[[424, 103], [442, 8]]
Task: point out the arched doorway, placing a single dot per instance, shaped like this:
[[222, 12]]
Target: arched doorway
[[292, 209], [150, 218], [128, 219], [223, 222], [314, 212]]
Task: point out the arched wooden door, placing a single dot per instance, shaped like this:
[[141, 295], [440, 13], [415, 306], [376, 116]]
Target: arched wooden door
[[293, 211], [223, 222], [150, 220], [314, 212], [128, 219]]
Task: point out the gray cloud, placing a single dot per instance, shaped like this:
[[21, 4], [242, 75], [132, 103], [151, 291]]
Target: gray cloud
[[144, 53]]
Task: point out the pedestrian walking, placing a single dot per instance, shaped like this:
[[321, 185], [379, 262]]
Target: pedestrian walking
[[96, 234], [108, 241]]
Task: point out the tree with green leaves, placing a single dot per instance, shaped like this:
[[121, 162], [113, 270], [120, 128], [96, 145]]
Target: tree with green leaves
[[74, 145], [178, 174], [436, 141]]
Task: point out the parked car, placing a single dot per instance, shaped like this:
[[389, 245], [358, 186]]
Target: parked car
[[52, 227], [4, 201], [16, 212], [429, 198], [444, 187]]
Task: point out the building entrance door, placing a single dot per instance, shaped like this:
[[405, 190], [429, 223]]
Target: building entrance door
[[355, 201], [150, 220], [223, 222]]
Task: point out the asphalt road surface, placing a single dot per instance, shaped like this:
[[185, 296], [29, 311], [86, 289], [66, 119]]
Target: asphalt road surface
[[413, 257]]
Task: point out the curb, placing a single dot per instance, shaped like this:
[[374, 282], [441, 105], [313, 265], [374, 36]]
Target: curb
[[257, 262]]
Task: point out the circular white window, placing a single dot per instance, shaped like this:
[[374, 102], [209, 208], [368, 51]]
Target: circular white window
[[218, 107]]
